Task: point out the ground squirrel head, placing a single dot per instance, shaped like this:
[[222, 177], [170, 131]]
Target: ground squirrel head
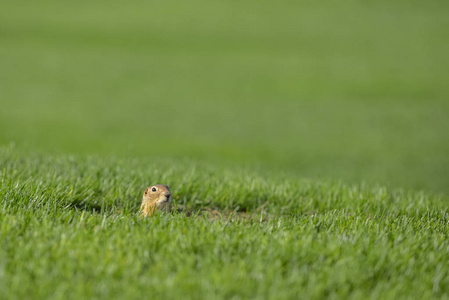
[[156, 197]]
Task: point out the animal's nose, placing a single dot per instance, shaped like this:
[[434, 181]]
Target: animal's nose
[[167, 195]]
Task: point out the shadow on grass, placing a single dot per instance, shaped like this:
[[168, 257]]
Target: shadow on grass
[[99, 206], [214, 213], [79, 204]]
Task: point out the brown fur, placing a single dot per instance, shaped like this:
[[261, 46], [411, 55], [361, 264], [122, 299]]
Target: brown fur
[[153, 201]]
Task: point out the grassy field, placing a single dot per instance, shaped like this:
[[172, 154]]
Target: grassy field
[[350, 90], [69, 229], [306, 143]]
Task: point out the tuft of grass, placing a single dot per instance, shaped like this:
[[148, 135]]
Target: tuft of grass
[[69, 229]]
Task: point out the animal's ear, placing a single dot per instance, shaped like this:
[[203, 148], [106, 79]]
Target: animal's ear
[[146, 191]]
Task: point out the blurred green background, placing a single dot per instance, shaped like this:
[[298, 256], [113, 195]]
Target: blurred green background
[[348, 90]]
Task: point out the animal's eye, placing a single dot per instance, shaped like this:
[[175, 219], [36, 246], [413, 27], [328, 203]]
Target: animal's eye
[[153, 189]]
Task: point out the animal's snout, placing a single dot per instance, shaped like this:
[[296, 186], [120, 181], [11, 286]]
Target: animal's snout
[[167, 195]]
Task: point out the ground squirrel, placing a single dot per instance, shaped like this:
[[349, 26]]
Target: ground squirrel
[[156, 197]]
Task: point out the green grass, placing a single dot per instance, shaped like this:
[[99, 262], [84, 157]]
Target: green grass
[[347, 90], [317, 131], [70, 229]]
